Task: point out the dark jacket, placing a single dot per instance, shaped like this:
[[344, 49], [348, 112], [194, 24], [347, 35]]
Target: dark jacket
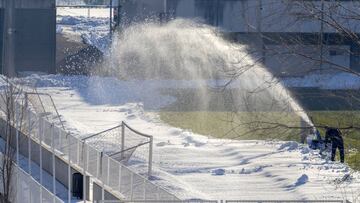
[[333, 135]]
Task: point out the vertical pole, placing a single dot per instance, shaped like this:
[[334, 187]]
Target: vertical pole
[[9, 39], [101, 176], [150, 157], [165, 12], [321, 35], [122, 140], [69, 169], [131, 185], [108, 172], [110, 19], [144, 194], [17, 117], [29, 140], [120, 167], [157, 193], [98, 165], [84, 155], [41, 168], [78, 150], [53, 161]]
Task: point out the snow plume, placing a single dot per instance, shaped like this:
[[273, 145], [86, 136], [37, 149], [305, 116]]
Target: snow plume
[[183, 50]]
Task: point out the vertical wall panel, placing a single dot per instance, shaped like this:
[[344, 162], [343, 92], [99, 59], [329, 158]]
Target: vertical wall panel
[[35, 40]]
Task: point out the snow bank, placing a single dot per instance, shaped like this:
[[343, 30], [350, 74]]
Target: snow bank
[[191, 165]]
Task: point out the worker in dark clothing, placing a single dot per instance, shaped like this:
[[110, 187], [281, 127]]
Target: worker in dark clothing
[[333, 135]]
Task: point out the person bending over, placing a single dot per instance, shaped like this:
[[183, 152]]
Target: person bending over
[[333, 135]]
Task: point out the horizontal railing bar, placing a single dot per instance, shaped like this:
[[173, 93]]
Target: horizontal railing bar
[[116, 153], [99, 133], [82, 6], [135, 131]]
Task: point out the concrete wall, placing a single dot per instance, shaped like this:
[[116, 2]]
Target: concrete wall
[[97, 194], [36, 40], [1, 35], [60, 166], [243, 15], [35, 43], [270, 27]]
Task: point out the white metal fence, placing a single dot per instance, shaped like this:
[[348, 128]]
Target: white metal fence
[[29, 190], [123, 142], [103, 169], [26, 189]]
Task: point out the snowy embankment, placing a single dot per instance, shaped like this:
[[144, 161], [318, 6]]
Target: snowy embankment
[[191, 165], [92, 29]]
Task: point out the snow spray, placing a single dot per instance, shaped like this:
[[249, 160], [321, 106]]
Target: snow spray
[[185, 53]]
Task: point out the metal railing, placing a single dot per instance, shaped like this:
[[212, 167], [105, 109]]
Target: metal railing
[[107, 172], [27, 189], [125, 140]]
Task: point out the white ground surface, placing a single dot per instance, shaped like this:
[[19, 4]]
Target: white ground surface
[[190, 165], [195, 166]]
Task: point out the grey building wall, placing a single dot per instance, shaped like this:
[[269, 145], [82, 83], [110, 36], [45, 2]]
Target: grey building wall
[[1, 35], [35, 43], [254, 22]]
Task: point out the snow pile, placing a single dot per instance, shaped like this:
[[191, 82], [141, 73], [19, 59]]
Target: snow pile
[[219, 172], [325, 81], [289, 146], [301, 180], [191, 165], [92, 30]]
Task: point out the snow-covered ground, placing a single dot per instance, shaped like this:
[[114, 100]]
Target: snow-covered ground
[[90, 25], [195, 166], [187, 164]]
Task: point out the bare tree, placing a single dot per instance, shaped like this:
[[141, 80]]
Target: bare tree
[[336, 27], [11, 117]]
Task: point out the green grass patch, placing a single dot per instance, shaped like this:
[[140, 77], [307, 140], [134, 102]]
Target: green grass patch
[[246, 125]]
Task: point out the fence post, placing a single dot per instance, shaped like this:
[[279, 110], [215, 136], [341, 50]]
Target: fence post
[[69, 169], [157, 193], [122, 140], [131, 186], [101, 176], [53, 160], [40, 150], [17, 118], [144, 189], [108, 172], [84, 155], [29, 140], [150, 156], [120, 167]]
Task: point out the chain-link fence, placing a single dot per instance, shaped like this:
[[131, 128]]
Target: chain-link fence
[[122, 143], [103, 169], [27, 189]]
